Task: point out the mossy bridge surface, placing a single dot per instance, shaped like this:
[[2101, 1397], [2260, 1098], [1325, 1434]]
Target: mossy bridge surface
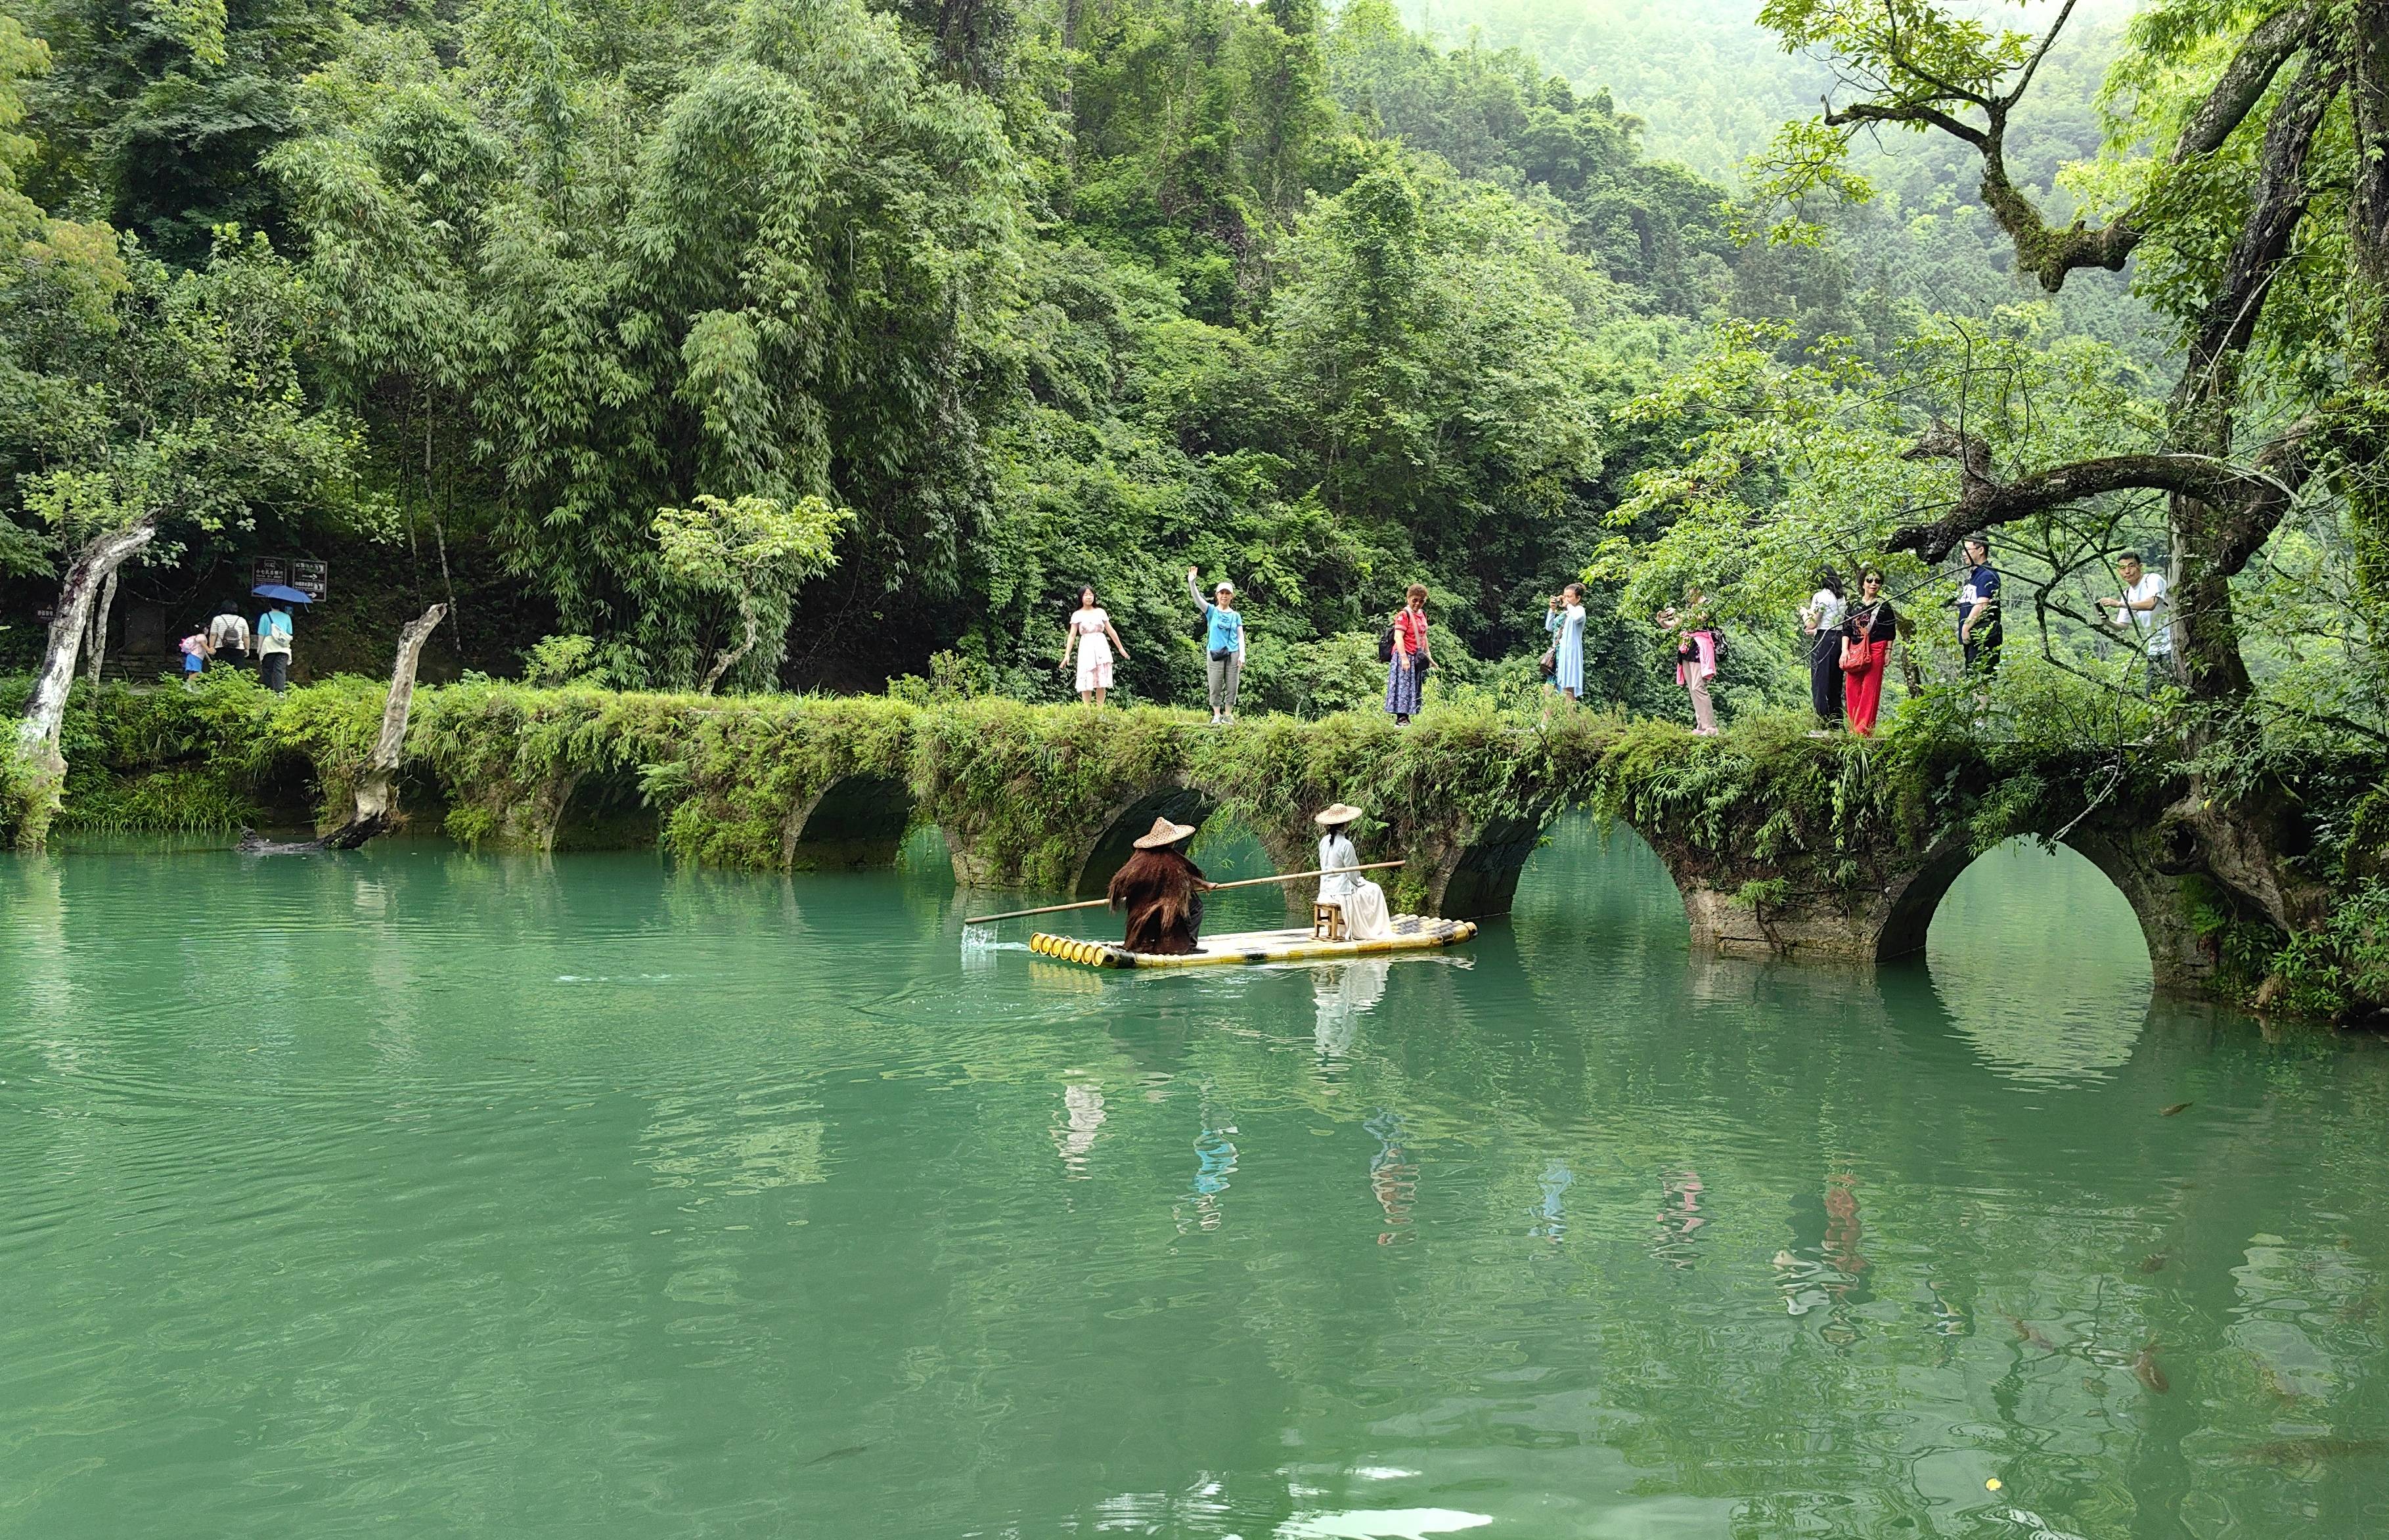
[[1781, 844]]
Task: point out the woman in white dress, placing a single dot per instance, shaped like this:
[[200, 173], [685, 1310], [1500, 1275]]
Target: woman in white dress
[[1365, 902], [1096, 644]]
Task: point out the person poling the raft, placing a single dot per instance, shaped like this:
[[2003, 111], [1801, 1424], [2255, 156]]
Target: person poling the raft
[[1363, 902], [1162, 892]]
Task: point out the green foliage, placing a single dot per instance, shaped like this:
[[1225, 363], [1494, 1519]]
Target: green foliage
[[754, 552], [559, 661], [131, 393], [2341, 970]]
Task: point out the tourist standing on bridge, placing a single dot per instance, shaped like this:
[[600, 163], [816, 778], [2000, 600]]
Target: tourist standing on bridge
[[1866, 652], [1695, 641], [1223, 644], [1980, 635], [2139, 613], [1822, 620], [1094, 640], [1565, 621], [1407, 659]]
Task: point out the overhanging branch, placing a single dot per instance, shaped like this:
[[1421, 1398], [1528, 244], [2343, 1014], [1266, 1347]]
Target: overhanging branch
[[2260, 497]]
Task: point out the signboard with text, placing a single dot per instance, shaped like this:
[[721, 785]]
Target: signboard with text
[[311, 578]]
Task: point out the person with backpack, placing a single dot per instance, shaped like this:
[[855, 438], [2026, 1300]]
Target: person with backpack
[[1407, 658], [228, 638], [1223, 644], [273, 648], [195, 650]]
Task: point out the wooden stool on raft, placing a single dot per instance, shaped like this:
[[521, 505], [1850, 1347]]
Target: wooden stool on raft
[[1328, 920]]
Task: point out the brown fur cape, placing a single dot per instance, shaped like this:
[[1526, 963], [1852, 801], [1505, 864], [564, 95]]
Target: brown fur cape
[[1162, 892]]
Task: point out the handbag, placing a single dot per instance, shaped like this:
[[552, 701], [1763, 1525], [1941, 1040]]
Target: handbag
[[1855, 655], [1549, 663], [1221, 654]]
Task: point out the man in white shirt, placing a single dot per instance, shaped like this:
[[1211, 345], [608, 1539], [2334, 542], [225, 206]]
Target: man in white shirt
[[2140, 612]]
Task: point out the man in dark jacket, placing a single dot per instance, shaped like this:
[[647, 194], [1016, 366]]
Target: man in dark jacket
[[1162, 892]]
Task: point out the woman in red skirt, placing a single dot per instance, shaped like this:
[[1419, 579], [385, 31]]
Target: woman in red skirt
[[1866, 652]]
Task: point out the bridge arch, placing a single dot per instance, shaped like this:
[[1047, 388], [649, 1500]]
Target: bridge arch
[[1129, 820], [1479, 876], [2177, 956], [856, 820]]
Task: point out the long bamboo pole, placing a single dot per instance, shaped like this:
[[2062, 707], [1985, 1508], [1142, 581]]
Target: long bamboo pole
[[1216, 887]]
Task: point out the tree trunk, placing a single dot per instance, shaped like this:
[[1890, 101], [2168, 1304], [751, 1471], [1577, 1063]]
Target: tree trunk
[[2366, 477], [725, 659], [100, 628], [374, 811], [37, 735]]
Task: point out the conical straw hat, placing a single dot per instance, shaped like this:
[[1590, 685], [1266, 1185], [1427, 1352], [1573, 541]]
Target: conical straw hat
[[1340, 813], [1164, 833]]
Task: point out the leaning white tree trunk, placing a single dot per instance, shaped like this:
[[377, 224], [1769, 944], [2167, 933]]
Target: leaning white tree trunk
[[376, 799], [100, 628], [37, 735]]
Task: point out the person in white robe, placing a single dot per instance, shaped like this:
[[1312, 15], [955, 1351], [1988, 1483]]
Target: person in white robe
[[1365, 916]]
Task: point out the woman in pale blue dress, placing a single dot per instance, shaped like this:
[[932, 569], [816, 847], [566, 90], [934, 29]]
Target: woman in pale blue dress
[[1565, 623]]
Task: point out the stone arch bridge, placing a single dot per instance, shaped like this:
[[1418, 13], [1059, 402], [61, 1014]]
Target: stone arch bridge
[[1780, 844]]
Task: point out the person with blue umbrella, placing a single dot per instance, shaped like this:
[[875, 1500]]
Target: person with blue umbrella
[[274, 633]]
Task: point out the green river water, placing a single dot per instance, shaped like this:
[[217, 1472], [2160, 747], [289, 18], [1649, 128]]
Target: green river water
[[415, 1194]]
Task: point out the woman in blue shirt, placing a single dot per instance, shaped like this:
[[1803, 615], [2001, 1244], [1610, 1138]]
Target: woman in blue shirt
[[1565, 623], [1223, 644]]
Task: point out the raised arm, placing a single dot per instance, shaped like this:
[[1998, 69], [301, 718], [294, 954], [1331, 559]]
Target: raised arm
[[1194, 591]]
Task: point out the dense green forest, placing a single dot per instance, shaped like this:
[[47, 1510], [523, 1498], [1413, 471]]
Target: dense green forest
[[1026, 297], [800, 342]]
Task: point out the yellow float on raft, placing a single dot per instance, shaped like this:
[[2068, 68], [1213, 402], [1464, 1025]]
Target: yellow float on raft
[[1412, 933]]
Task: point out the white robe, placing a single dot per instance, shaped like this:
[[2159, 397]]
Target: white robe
[[1365, 918]]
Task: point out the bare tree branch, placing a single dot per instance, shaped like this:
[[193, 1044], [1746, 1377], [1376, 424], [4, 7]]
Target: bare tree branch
[[2032, 65], [2261, 497], [1906, 112]]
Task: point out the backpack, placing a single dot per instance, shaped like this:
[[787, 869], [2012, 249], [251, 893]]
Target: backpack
[[1385, 646]]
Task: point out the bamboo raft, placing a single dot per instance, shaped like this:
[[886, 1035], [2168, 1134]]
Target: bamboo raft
[[1412, 933]]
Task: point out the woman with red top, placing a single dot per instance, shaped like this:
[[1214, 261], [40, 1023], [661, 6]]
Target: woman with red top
[[1695, 641], [1405, 668], [1866, 652]]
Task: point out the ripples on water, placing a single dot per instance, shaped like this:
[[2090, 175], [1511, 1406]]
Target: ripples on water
[[414, 1194]]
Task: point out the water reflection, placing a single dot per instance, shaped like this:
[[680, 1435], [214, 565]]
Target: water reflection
[[739, 1230], [1393, 1177], [1074, 1134], [1340, 996], [2039, 1011]]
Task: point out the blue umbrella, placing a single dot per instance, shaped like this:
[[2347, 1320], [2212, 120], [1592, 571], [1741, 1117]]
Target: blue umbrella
[[282, 591]]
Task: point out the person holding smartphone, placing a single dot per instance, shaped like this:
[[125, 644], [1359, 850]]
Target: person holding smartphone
[[1565, 621]]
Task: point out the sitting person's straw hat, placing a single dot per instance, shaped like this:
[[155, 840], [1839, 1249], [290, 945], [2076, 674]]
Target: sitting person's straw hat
[[1338, 814], [1164, 833]]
